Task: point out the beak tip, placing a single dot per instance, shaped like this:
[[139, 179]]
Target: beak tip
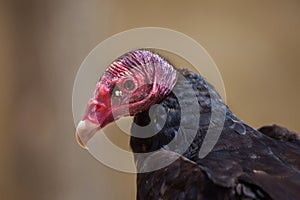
[[80, 142], [84, 131]]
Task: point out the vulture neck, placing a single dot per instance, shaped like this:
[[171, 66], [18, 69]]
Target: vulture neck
[[183, 119]]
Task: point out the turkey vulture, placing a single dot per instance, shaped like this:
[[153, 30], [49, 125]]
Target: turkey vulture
[[245, 163]]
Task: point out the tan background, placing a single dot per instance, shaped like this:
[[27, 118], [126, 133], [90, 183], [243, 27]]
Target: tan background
[[255, 44]]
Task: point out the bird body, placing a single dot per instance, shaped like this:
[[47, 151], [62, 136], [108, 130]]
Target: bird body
[[243, 164]]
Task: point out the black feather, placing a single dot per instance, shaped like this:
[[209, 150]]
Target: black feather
[[244, 163]]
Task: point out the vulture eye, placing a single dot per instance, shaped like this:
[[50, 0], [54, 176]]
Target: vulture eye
[[129, 85]]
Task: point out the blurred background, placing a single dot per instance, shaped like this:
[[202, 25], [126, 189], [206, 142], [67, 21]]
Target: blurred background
[[255, 44]]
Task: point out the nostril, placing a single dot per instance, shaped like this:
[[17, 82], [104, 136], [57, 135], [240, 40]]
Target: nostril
[[96, 106], [100, 107]]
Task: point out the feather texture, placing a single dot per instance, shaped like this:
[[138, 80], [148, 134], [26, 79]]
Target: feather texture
[[244, 163]]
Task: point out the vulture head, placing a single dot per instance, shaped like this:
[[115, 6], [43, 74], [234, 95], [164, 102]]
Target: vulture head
[[130, 85]]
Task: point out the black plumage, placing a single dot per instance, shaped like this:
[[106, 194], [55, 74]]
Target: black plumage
[[244, 164], [178, 115]]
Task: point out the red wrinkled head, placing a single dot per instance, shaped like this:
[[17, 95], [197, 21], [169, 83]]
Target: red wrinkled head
[[131, 84]]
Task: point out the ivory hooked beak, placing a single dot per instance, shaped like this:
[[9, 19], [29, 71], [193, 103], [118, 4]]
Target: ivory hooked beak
[[85, 131]]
